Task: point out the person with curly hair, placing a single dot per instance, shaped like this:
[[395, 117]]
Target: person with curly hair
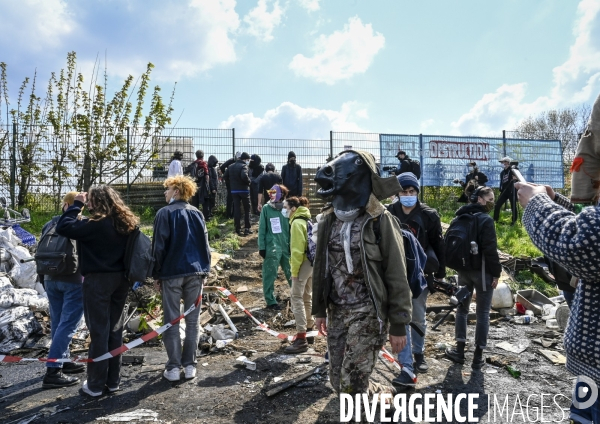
[[182, 262], [102, 238]]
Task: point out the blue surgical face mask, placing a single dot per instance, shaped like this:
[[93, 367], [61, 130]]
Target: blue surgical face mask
[[408, 201], [284, 212]]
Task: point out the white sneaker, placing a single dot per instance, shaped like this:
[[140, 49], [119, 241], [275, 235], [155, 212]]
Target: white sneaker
[[87, 391], [190, 371], [172, 375]]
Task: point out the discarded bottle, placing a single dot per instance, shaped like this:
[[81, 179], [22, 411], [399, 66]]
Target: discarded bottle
[[513, 371], [529, 313], [524, 320]]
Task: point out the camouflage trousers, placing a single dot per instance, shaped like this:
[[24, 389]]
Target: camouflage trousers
[[354, 340]]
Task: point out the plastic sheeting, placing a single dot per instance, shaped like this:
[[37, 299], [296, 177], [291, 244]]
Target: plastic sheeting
[[15, 334], [24, 275]]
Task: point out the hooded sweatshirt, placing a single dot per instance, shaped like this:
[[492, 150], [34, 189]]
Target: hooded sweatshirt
[[212, 173], [298, 238]]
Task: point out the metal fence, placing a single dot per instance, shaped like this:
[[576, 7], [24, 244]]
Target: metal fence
[[39, 165]]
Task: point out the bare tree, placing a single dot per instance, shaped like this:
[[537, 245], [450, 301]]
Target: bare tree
[[565, 125]]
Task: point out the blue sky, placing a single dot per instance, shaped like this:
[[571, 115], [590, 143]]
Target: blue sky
[[299, 68]]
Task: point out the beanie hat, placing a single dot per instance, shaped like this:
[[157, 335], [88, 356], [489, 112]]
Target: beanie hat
[[244, 156], [270, 167], [408, 179], [291, 155]]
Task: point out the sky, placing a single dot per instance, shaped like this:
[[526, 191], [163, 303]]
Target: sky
[[300, 68]]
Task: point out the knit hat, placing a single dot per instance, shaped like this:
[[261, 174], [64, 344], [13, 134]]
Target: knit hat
[[270, 167], [277, 191], [400, 152], [244, 156], [291, 155], [408, 179]]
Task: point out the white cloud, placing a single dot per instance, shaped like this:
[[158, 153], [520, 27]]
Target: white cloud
[[260, 22], [576, 81], [34, 25], [289, 120], [427, 124], [310, 5], [181, 38], [341, 55]]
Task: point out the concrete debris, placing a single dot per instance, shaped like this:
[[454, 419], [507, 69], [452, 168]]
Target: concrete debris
[[126, 417]]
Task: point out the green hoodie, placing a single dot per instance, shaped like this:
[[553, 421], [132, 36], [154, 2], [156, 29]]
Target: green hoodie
[[298, 238], [267, 240]]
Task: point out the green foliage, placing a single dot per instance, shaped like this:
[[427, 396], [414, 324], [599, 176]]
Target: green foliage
[[38, 220], [73, 123]]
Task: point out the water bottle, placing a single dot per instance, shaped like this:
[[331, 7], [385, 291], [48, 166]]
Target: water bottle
[[524, 320], [474, 248]]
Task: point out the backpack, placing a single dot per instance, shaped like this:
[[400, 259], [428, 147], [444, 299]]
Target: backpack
[[311, 246], [414, 256], [194, 170], [139, 261], [462, 231], [415, 168], [56, 255]]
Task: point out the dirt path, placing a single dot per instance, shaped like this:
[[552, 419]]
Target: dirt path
[[226, 392]]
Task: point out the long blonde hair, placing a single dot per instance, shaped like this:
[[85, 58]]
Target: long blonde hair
[[108, 204]]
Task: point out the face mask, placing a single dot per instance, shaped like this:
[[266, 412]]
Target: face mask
[[292, 161], [408, 201], [489, 206], [284, 212], [172, 199]]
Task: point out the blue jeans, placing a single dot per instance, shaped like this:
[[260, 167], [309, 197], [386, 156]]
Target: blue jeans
[[415, 343], [472, 279], [588, 415], [66, 309]]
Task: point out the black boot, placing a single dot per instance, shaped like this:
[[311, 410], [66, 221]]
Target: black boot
[[458, 354], [310, 339], [55, 379], [478, 361], [420, 365], [72, 368]]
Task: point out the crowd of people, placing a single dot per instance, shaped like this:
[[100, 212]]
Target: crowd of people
[[347, 271]]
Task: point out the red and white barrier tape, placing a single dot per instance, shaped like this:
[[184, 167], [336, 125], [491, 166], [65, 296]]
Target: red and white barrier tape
[[227, 294], [114, 352], [384, 354]]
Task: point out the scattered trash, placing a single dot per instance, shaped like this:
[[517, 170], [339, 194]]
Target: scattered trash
[[491, 371], [552, 324], [529, 313], [500, 361], [133, 359], [533, 300], [502, 297], [125, 417], [442, 346], [562, 316], [295, 380], [554, 357], [219, 332], [558, 299], [513, 371], [290, 323], [205, 364], [224, 314], [249, 364], [242, 289], [546, 342], [222, 343], [512, 348], [524, 320], [304, 360], [438, 391], [505, 312], [277, 379]]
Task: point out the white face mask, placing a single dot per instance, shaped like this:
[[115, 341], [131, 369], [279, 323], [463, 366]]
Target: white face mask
[[284, 212], [172, 199]]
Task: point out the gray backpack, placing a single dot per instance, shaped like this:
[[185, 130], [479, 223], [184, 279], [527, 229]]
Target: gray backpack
[[139, 262], [56, 255]]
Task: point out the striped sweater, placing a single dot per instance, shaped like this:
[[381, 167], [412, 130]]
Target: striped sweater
[[574, 242]]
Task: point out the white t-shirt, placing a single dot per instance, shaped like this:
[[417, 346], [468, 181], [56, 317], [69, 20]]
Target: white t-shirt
[[175, 169]]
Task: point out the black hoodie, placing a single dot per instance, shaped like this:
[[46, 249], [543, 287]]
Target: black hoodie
[[213, 182], [256, 168], [487, 241]]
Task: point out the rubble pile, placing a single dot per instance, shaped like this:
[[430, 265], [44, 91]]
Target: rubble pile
[[20, 294]]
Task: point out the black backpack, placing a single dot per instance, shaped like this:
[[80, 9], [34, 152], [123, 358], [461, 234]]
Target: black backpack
[[415, 168], [462, 231], [139, 261], [195, 171], [56, 255]]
